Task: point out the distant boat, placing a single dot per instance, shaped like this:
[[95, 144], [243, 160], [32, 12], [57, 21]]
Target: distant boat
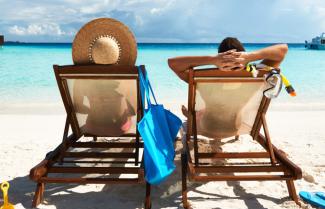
[[2, 40], [316, 43]]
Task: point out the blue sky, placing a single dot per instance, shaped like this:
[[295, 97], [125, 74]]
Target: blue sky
[[167, 20]]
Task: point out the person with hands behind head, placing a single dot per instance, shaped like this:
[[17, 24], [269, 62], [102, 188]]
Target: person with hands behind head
[[231, 56]]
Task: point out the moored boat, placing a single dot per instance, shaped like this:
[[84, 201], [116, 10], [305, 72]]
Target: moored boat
[[316, 43]]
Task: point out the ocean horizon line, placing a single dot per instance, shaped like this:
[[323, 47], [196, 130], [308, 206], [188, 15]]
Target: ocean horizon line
[[158, 43]]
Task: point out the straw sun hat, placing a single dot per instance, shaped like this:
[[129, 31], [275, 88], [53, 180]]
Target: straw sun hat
[[104, 41]]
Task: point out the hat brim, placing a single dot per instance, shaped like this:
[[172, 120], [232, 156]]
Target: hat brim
[[104, 27]]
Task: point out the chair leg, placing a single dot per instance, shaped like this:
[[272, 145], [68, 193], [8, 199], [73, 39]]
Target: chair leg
[[39, 194], [147, 202], [63, 149], [184, 181], [292, 191]]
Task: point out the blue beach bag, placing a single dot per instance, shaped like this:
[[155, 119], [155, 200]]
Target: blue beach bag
[[158, 129]]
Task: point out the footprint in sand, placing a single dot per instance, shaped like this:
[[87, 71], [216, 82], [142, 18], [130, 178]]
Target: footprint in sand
[[308, 177]]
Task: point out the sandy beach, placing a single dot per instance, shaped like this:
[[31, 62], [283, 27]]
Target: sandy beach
[[88, 54], [27, 137]]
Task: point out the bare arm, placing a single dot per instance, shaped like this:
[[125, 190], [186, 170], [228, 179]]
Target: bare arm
[[230, 60], [181, 65], [271, 56]]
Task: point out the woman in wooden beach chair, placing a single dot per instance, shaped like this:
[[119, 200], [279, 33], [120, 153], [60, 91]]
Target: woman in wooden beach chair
[[229, 101], [101, 96]]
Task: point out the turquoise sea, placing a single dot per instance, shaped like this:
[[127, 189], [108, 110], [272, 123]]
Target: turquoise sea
[[27, 78]]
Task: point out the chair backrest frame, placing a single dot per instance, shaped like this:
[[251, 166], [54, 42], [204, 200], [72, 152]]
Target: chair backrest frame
[[62, 73], [207, 75], [210, 75]]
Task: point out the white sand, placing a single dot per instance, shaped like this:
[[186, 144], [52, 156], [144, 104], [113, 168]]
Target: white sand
[[26, 138]]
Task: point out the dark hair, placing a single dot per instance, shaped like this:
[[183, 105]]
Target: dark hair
[[230, 43]]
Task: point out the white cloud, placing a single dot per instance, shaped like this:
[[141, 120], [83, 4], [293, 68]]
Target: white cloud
[[17, 30], [155, 11], [139, 21], [51, 29], [169, 20]]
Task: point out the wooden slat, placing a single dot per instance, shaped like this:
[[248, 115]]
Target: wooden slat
[[243, 178], [101, 170], [282, 158], [71, 110], [98, 161], [139, 116], [228, 80], [92, 180], [239, 163], [187, 150], [97, 69], [99, 155], [196, 144], [190, 104], [215, 72], [39, 170], [98, 77], [268, 139], [105, 145], [261, 109], [234, 155], [258, 120], [225, 169], [127, 135]]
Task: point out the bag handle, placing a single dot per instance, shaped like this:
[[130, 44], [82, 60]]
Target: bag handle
[[146, 86], [143, 90], [150, 88]]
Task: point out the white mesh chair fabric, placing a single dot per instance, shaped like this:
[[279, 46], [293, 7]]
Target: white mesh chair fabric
[[225, 109], [104, 107]]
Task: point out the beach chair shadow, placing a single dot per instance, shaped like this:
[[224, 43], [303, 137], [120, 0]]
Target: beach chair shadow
[[167, 194], [63, 196], [100, 101], [228, 104]]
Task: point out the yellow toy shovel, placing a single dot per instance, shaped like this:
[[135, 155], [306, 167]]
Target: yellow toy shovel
[[6, 204]]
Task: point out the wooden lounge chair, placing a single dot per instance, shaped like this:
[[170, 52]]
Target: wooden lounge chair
[[97, 99], [229, 104]]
